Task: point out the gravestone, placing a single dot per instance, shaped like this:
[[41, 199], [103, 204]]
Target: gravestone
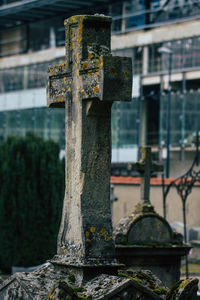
[[146, 167], [87, 83], [194, 234], [144, 239]]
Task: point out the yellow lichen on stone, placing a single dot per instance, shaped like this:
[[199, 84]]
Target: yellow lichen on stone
[[96, 89], [80, 33], [96, 73], [60, 98], [184, 283], [51, 71], [79, 39], [100, 62], [143, 153], [77, 58], [104, 233], [90, 56], [71, 46], [72, 19], [126, 73], [51, 296], [85, 65], [92, 229]]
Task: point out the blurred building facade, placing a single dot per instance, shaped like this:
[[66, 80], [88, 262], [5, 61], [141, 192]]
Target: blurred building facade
[[32, 38]]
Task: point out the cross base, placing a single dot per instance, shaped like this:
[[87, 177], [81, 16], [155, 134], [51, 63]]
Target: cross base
[[84, 272], [148, 208]]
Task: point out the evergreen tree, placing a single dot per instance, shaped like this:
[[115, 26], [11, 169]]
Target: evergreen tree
[[31, 197]]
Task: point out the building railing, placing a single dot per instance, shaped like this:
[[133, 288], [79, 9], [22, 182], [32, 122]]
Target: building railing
[[156, 16], [143, 19]]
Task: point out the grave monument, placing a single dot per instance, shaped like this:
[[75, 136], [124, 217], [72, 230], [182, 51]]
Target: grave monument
[[86, 84], [144, 239]]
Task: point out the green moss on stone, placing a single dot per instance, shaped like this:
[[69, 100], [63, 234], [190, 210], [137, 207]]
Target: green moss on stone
[[71, 278], [82, 296], [122, 274], [173, 290], [160, 291], [76, 288], [134, 278]]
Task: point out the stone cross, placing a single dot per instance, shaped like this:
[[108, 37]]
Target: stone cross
[[146, 167], [86, 84]]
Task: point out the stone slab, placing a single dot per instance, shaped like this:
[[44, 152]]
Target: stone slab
[[51, 283]]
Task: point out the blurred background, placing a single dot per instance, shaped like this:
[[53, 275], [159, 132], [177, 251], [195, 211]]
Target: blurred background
[[163, 39], [32, 37]]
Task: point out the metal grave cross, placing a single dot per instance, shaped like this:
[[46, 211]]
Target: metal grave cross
[[86, 84], [146, 167]]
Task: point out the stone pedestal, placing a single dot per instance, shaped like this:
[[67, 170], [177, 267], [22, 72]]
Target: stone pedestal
[[144, 240]]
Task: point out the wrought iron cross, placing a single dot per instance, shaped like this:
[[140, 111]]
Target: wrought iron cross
[[146, 167]]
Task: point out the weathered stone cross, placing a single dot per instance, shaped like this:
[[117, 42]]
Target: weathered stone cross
[[146, 167], [86, 84]]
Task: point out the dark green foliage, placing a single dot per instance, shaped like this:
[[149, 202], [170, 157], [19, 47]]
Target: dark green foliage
[[31, 197]]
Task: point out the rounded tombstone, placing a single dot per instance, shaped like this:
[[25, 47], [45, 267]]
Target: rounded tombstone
[[149, 228], [143, 228]]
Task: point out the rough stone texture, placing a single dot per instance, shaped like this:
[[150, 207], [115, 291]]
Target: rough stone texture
[[49, 283], [87, 84], [35, 285], [184, 290], [110, 287]]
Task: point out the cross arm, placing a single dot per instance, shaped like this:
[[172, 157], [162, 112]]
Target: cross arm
[[59, 85], [107, 78], [140, 167], [146, 165]]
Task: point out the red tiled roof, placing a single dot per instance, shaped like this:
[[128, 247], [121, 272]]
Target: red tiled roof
[[137, 180]]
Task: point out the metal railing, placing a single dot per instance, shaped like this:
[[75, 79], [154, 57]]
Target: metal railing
[[165, 13]]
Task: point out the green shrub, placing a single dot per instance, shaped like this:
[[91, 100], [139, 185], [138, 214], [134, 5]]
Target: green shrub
[[31, 197]]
